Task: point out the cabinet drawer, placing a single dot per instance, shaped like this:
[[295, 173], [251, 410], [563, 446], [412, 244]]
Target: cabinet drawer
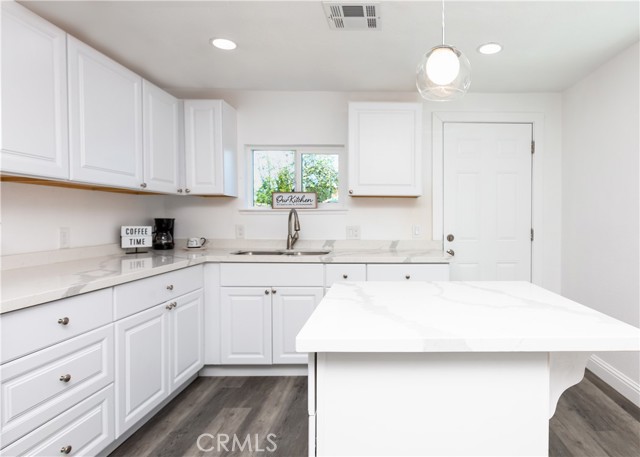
[[413, 272], [139, 295], [344, 272], [87, 428], [271, 274], [33, 389], [30, 329]]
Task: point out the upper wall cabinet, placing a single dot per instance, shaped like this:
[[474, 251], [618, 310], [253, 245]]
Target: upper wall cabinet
[[210, 148], [105, 119], [162, 139], [385, 149], [34, 95]]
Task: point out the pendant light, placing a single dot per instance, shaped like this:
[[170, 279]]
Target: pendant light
[[444, 73]]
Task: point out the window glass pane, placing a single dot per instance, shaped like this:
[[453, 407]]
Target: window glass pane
[[273, 171], [320, 174]]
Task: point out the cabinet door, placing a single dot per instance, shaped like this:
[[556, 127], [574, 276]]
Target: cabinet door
[[210, 148], [245, 317], [161, 139], [292, 307], [385, 149], [105, 119], [141, 365], [186, 341], [34, 95], [405, 272]]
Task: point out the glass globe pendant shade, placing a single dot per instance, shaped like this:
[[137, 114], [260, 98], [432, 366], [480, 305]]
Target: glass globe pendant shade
[[443, 74]]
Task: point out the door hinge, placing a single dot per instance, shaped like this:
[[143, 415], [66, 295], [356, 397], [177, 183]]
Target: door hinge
[[533, 147], [531, 234]]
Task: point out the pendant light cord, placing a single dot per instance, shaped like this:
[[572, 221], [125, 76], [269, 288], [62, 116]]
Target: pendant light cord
[[443, 22]]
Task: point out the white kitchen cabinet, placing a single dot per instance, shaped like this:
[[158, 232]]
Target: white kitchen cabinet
[[105, 119], [186, 339], [245, 325], [162, 119], [406, 272], [385, 149], [340, 272], [210, 148], [157, 350], [291, 308], [142, 355], [34, 95], [84, 429]]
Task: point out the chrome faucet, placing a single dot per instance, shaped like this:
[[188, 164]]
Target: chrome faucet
[[294, 228]]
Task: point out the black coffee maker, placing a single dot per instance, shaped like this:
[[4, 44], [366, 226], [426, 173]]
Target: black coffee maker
[[163, 234]]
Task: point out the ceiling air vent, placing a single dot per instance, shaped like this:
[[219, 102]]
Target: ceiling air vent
[[352, 16]]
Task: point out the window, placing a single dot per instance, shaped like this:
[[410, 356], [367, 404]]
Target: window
[[296, 169]]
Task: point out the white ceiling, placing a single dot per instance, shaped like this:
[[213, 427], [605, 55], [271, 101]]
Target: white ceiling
[[288, 45]]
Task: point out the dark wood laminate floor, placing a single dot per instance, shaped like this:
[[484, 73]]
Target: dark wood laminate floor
[[592, 420]]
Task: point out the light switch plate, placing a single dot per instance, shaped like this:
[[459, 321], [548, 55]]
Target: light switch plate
[[240, 231]]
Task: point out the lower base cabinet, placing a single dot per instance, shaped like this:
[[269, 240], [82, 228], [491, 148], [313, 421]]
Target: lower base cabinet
[[156, 350], [85, 429], [259, 324]]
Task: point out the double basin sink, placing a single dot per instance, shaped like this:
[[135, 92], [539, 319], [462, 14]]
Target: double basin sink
[[281, 252]]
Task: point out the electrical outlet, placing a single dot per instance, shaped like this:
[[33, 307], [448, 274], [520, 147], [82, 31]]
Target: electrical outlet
[[64, 236], [240, 231], [416, 231], [353, 232]]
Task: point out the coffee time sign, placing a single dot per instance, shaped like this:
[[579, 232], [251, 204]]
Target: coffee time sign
[[297, 200], [136, 236]]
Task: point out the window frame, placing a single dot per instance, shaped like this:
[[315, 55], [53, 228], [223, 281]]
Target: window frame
[[298, 151]]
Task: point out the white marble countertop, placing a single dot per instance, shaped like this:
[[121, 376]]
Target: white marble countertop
[[36, 278], [458, 317]]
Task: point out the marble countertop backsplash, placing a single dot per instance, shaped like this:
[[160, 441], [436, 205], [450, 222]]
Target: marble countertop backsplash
[[34, 278]]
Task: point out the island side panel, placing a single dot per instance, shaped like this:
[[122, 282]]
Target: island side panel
[[432, 404], [311, 389]]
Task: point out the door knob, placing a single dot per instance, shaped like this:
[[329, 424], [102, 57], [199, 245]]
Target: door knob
[[451, 252], [450, 237]]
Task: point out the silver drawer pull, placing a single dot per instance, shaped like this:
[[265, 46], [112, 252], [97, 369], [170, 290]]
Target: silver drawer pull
[[266, 292], [65, 449], [171, 305], [170, 287], [345, 276], [63, 321], [65, 378], [408, 277]]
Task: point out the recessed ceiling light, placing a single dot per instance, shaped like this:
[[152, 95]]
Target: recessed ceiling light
[[223, 43], [490, 48]]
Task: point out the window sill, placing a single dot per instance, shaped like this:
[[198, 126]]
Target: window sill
[[265, 211]]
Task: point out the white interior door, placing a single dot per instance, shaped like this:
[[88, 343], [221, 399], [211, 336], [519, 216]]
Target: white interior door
[[487, 200]]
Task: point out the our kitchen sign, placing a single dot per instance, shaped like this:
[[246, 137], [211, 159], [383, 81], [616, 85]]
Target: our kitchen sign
[[297, 200]]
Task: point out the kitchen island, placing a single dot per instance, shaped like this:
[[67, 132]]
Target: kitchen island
[[446, 368]]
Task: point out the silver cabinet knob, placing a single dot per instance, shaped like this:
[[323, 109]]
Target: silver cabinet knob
[[169, 307], [345, 276], [170, 287], [188, 191], [65, 378], [451, 252], [450, 237], [65, 449], [350, 192], [266, 292], [407, 277], [179, 191], [63, 321], [143, 185], [273, 291], [174, 305]]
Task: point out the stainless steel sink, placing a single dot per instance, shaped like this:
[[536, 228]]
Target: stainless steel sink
[[281, 252]]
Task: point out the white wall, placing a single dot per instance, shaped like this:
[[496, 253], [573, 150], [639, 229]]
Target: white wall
[[32, 215], [277, 118], [600, 196]]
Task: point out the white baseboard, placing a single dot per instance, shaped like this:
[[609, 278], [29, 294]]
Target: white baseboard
[[254, 370], [615, 378]]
